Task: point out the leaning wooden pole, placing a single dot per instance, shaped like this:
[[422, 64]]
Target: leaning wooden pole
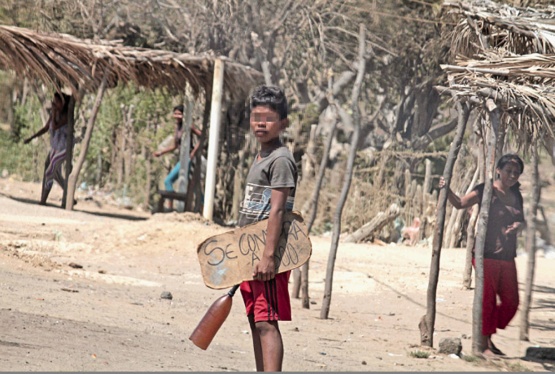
[[531, 247], [355, 121], [467, 273], [69, 147], [427, 321], [478, 340], [305, 298], [72, 180]]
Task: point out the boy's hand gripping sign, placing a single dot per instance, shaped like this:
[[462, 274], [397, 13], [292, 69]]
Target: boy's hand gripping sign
[[229, 258]]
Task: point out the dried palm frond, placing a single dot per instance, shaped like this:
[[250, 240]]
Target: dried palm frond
[[485, 24], [535, 69], [530, 109], [507, 54], [63, 60]]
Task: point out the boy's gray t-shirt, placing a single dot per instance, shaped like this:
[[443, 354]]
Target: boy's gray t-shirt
[[277, 170]]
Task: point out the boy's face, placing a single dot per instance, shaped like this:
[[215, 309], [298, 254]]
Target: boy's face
[[266, 124], [178, 115], [510, 173]]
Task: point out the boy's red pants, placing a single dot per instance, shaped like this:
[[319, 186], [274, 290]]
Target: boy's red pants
[[500, 278]]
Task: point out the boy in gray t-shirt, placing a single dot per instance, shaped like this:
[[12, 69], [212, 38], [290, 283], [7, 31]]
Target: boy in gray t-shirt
[[269, 193]]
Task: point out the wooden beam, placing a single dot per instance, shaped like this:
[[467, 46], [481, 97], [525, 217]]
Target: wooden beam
[[215, 122]]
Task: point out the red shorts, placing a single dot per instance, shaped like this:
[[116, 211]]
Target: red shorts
[[268, 300]]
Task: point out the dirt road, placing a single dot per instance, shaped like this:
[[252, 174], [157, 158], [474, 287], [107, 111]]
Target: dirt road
[[109, 316]]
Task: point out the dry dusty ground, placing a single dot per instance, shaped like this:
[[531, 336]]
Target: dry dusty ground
[[108, 316]]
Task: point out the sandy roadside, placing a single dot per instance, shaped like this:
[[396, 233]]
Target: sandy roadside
[[108, 315]]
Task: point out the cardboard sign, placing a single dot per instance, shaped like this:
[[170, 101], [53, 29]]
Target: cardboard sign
[[228, 259]]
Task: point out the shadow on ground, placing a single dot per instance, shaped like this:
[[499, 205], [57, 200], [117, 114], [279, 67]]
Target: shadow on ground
[[128, 217]]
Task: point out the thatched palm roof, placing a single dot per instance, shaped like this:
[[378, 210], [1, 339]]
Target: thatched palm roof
[[63, 60], [507, 54], [484, 24]]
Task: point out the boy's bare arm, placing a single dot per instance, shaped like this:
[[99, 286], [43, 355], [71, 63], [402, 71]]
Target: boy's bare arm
[[171, 148], [466, 201], [195, 130], [265, 269], [463, 202], [41, 132], [194, 151]]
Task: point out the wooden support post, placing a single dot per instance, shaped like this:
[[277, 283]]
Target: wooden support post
[[215, 116], [74, 176], [427, 322]]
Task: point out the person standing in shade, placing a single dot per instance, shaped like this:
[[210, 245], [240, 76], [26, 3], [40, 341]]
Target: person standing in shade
[[56, 126]]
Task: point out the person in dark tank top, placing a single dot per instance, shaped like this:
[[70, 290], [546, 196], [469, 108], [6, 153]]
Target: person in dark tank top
[[506, 220]]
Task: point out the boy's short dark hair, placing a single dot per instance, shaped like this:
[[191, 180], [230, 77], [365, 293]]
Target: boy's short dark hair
[[179, 108], [271, 96]]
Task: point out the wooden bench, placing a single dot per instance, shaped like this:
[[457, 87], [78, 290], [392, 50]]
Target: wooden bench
[[170, 195]]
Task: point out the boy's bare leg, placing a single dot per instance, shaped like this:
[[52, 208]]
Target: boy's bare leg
[[170, 204], [256, 345], [268, 345], [44, 195]]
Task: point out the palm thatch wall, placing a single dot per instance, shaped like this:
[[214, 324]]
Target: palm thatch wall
[[63, 60], [507, 54]]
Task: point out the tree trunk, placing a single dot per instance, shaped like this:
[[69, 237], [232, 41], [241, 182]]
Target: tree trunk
[[98, 175], [470, 236], [313, 207], [460, 213], [478, 341], [427, 322], [471, 230], [471, 239], [426, 189], [309, 158], [330, 116], [451, 228], [376, 224], [72, 180], [120, 156], [129, 148], [531, 247], [238, 191], [355, 122], [300, 277], [148, 181]]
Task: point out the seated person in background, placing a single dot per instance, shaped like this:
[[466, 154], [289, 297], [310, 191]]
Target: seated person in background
[[174, 173], [412, 233]]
